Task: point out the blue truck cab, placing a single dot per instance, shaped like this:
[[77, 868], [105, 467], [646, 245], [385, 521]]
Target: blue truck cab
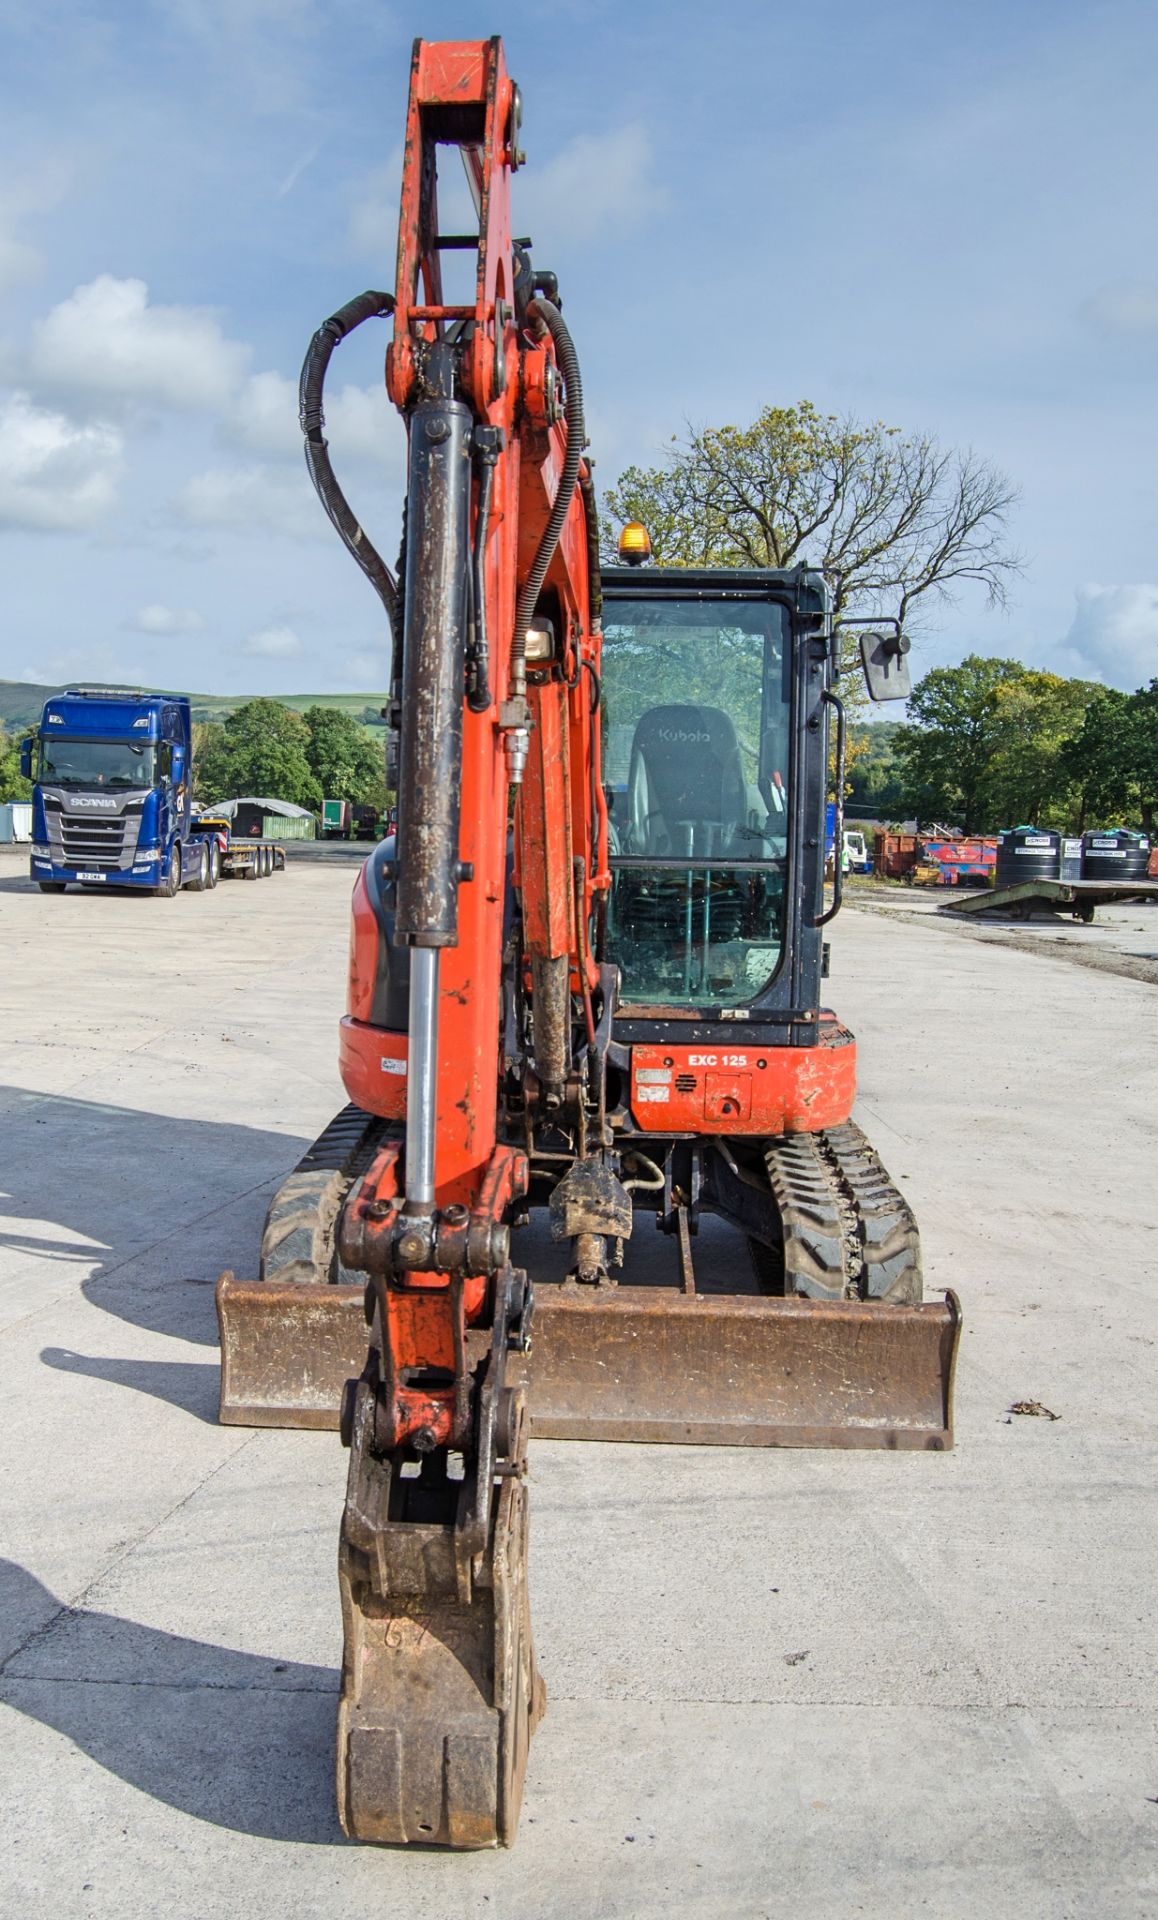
[[111, 799]]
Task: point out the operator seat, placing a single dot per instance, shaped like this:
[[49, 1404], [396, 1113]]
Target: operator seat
[[686, 793]]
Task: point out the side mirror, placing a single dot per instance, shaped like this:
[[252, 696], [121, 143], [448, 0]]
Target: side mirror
[[886, 667], [178, 766], [26, 746]]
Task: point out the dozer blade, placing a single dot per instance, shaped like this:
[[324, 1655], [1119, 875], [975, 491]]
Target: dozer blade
[[635, 1363], [287, 1351], [641, 1363]]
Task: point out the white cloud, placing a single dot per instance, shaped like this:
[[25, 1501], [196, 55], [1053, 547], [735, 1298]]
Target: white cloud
[[361, 424], [106, 340], [156, 618], [300, 166], [18, 261], [262, 49], [595, 182], [365, 671], [33, 189], [1114, 636], [248, 498], [1124, 308], [81, 666], [273, 643], [55, 475], [373, 229]]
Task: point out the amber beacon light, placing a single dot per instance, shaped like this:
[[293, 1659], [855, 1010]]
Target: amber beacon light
[[634, 544]]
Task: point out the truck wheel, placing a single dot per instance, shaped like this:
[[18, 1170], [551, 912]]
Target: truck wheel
[[200, 880], [52, 886], [214, 873], [268, 852], [171, 886]]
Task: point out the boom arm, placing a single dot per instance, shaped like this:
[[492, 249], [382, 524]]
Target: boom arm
[[499, 533], [495, 686]]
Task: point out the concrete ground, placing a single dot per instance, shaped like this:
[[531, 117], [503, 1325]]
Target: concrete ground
[[781, 1683], [1122, 938]]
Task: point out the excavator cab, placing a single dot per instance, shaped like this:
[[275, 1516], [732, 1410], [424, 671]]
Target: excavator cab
[[699, 715]]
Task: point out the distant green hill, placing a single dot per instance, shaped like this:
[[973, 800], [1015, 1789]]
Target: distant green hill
[[21, 703]]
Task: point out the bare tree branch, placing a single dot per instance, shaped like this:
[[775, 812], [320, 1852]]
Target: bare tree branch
[[891, 519]]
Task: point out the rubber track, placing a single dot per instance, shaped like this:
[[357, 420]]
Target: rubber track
[[848, 1233], [298, 1245]]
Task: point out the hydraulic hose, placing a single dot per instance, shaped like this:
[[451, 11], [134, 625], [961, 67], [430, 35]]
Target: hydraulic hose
[[548, 315], [591, 517], [367, 306], [478, 697], [595, 600]]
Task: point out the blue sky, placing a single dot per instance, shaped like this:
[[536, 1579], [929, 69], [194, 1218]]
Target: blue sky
[[940, 216]]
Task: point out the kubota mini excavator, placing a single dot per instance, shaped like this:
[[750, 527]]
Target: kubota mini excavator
[[603, 1003]]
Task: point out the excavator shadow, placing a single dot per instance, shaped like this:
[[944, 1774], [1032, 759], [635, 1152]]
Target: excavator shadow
[[151, 1205], [150, 1208], [191, 1385], [242, 1741]]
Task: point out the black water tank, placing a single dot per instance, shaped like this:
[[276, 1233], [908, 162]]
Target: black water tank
[[1116, 854], [1071, 858], [1028, 853]]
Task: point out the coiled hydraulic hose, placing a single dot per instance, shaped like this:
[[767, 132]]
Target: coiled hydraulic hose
[[549, 317], [367, 306]]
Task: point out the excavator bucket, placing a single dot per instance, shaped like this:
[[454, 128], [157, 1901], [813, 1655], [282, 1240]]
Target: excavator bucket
[[634, 1363]]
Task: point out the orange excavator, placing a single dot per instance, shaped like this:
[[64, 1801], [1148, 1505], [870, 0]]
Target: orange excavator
[[584, 1005]]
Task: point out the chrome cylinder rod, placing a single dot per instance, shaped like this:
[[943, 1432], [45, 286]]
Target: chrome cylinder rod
[[422, 1078]]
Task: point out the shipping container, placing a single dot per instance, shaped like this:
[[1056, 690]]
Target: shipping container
[[15, 820]]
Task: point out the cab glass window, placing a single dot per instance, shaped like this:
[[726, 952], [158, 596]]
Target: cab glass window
[[696, 717]]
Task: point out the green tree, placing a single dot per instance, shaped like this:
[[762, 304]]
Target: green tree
[[343, 760], [875, 783], [1029, 777], [212, 763], [1143, 751], [1097, 762], [962, 723], [894, 520], [13, 785], [1113, 759], [261, 749]]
